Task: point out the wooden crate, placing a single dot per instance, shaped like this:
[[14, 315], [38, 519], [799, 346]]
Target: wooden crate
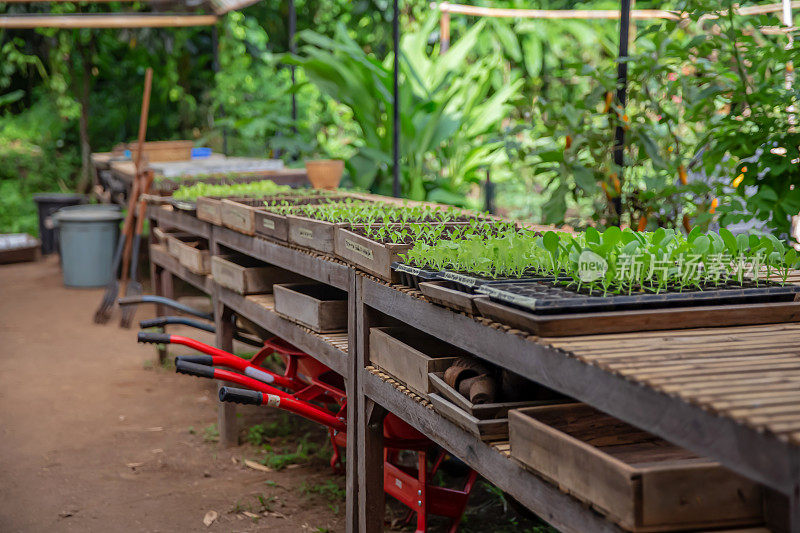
[[239, 214], [174, 241], [366, 254], [246, 275], [640, 481], [192, 252], [209, 209], [488, 421], [317, 306], [410, 355], [158, 151], [18, 248], [314, 234], [271, 225]]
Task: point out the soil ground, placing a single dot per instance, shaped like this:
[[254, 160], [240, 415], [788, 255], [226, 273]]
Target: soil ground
[[94, 436]]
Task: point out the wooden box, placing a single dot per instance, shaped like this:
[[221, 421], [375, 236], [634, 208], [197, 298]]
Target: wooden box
[[640, 481], [368, 255], [317, 306], [410, 355], [314, 234], [246, 275], [239, 214], [192, 252], [209, 209], [174, 241], [487, 421]]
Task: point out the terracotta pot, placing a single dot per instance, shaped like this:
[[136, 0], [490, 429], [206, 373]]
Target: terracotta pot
[[325, 173]]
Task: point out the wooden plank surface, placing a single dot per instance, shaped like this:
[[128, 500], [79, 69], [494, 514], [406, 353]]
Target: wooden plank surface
[[746, 449], [167, 217], [160, 256]]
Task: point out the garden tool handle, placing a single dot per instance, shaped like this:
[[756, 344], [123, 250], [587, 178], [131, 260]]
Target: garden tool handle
[[162, 321], [153, 299], [150, 337], [203, 359], [242, 396], [193, 369]]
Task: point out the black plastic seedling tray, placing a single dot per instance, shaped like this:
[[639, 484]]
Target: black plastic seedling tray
[[411, 276], [471, 282], [549, 298]]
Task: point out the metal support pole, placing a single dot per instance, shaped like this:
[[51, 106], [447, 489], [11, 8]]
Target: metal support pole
[[489, 191], [622, 94], [215, 67], [293, 50], [396, 102]]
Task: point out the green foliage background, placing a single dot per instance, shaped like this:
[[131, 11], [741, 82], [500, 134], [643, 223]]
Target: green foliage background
[[505, 98]]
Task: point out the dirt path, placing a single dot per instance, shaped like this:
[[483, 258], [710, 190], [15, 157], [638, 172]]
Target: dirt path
[[93, 437]]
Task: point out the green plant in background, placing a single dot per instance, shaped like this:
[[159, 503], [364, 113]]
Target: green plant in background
[[445, 102]]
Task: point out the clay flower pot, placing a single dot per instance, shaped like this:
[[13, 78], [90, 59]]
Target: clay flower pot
[[325, 173]]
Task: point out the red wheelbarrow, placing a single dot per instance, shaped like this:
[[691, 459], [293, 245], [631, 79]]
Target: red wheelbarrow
[[317, 393]]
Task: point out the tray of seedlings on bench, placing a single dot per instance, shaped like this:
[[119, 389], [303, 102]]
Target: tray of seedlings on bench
[[206, 198], [641, 482], [621, 281], [267, 216], [410, 355], [246, 275], [478, 396], [377, 248], [317, 306]]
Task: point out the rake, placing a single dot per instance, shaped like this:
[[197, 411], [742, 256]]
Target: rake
[[134, 287], [103, 312]]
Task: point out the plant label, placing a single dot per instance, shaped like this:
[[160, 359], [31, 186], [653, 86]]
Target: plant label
[[591, 266]]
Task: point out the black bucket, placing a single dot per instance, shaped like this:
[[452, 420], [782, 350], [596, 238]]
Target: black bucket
[[48, 203]]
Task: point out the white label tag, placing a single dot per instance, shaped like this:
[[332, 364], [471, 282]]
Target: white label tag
[[359, 249], [464, 280], [305, 233], [408, 269], [516, 299], [268, 223]]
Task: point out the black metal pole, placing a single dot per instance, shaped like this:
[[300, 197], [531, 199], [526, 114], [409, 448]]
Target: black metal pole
[[489, 191], [396, 102], [292, 50], [622, 95], [215, 67]]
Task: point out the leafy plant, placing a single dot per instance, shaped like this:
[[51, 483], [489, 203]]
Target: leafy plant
[[250, 189]]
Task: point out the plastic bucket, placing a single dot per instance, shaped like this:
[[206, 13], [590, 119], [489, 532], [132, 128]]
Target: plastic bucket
[[88, 238], [47, 204]]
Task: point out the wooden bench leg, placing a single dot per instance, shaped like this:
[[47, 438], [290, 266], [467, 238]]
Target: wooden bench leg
[[226, 412]]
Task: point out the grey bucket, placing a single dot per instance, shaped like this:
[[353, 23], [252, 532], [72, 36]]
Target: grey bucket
[[88, 237]]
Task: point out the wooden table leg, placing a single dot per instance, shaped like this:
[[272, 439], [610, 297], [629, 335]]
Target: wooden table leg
[[226, 413], [369, 444], [351, 387]]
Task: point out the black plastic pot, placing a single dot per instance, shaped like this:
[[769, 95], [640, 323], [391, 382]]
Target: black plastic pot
[[47, 204], [470, 282], [549, 298]]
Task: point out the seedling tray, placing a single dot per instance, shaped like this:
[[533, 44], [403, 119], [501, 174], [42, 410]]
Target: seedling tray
[[250, 216], [470, 282], [411, 276], [549, 298]]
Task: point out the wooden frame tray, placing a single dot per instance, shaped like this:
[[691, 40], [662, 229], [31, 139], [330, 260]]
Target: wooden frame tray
[[317, 306], [410, 355], [640, 319], [208, 209], [486, 421], [638, 480], [314, 234], [439, 293], [368, 255], [246, 275]]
